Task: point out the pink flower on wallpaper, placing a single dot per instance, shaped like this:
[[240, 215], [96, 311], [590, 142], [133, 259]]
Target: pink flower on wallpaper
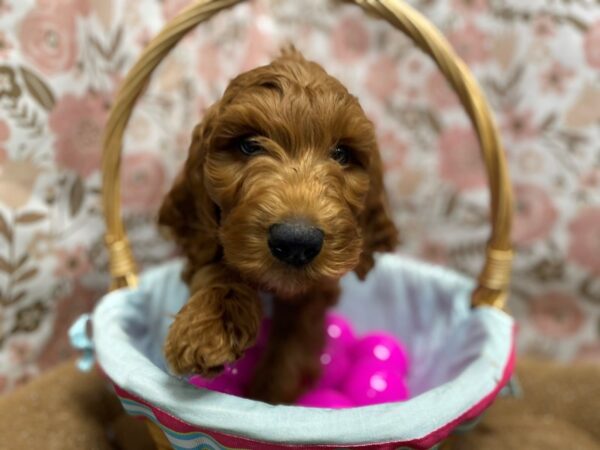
[[556, 314], [48, 40], [209, 66], [535, 214], [72, 263], [143, 37], [382, 77], [439, 91], [5, 45], [393, 150], [591, 179], [78, 123], [584, 246], [350, 39], [460, 160], [4, 131], [182, 141], [471, 43], [258, 48], [555, 78], [173, 7], [466, 6], [82, 7], [5, 8], [543, 26], [518, 125], [144, 179], [591, 45], [409, 181]]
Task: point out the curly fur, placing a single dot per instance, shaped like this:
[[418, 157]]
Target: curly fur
[[221, 206]]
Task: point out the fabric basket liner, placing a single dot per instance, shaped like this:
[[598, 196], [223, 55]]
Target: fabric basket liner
[[461, 357]]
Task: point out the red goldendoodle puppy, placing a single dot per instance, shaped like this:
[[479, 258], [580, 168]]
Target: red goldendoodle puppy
[[282, 191]]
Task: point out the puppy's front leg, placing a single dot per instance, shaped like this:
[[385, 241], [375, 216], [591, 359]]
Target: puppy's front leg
[[291, 362], [217, 324]]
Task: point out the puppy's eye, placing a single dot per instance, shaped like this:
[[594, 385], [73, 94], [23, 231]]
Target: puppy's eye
[[249, 147], [341, 154]]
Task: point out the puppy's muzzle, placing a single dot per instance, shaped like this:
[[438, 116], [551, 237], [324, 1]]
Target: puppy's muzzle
[[295, 243]]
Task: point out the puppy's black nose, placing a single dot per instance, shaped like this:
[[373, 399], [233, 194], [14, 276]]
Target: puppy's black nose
[[295, 243]]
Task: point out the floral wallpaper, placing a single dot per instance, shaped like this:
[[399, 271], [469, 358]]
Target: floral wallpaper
[[539, 63]]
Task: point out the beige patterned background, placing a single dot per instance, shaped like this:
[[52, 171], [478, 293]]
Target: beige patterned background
[[538, 62]]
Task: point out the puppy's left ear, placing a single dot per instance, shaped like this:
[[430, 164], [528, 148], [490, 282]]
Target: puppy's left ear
[[187, 212], [379, 232]]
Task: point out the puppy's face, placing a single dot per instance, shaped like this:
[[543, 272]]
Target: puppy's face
[[288, 163]]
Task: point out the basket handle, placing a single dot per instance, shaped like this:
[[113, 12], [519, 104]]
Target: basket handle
[[493, 281]]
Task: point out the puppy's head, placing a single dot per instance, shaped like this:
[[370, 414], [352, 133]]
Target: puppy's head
[[283, 181]]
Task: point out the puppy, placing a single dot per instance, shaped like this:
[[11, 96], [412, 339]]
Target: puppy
[[282, 192]]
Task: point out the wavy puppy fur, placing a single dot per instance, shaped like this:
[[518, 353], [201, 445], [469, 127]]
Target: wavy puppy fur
[[285, 144]]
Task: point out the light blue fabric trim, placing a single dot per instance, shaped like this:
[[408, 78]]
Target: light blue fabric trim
[[81, 342], [458, 356]]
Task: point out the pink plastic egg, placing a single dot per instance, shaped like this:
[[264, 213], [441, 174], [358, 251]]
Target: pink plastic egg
[[382, 348], [371, 383], [338, 330], [222, 384], [324, 398], [335, 364], [236, 376], [241, 371]]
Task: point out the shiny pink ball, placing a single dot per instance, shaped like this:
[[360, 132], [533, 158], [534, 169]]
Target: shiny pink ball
[[324, 398], [381, 348], [335, 364], [338, 330], [371, 383], [241, 371]]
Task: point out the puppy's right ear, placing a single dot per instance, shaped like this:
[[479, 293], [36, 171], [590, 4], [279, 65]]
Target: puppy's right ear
[[187, 212]]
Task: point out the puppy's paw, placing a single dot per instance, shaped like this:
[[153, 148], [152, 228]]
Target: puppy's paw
[[199, 350], [209, 332]]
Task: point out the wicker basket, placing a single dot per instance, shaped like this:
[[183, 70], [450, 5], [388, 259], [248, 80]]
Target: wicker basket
[[175, 428]]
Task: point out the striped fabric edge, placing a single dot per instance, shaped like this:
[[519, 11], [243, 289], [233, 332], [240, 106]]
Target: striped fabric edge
[[184, 436]]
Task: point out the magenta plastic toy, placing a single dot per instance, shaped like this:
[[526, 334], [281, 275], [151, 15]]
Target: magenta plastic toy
[[325, 398], [240, 372], [335, 365], [354, 372], [235, 378], [382, 348], [338, 330], [222, 384], [371, 383]]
